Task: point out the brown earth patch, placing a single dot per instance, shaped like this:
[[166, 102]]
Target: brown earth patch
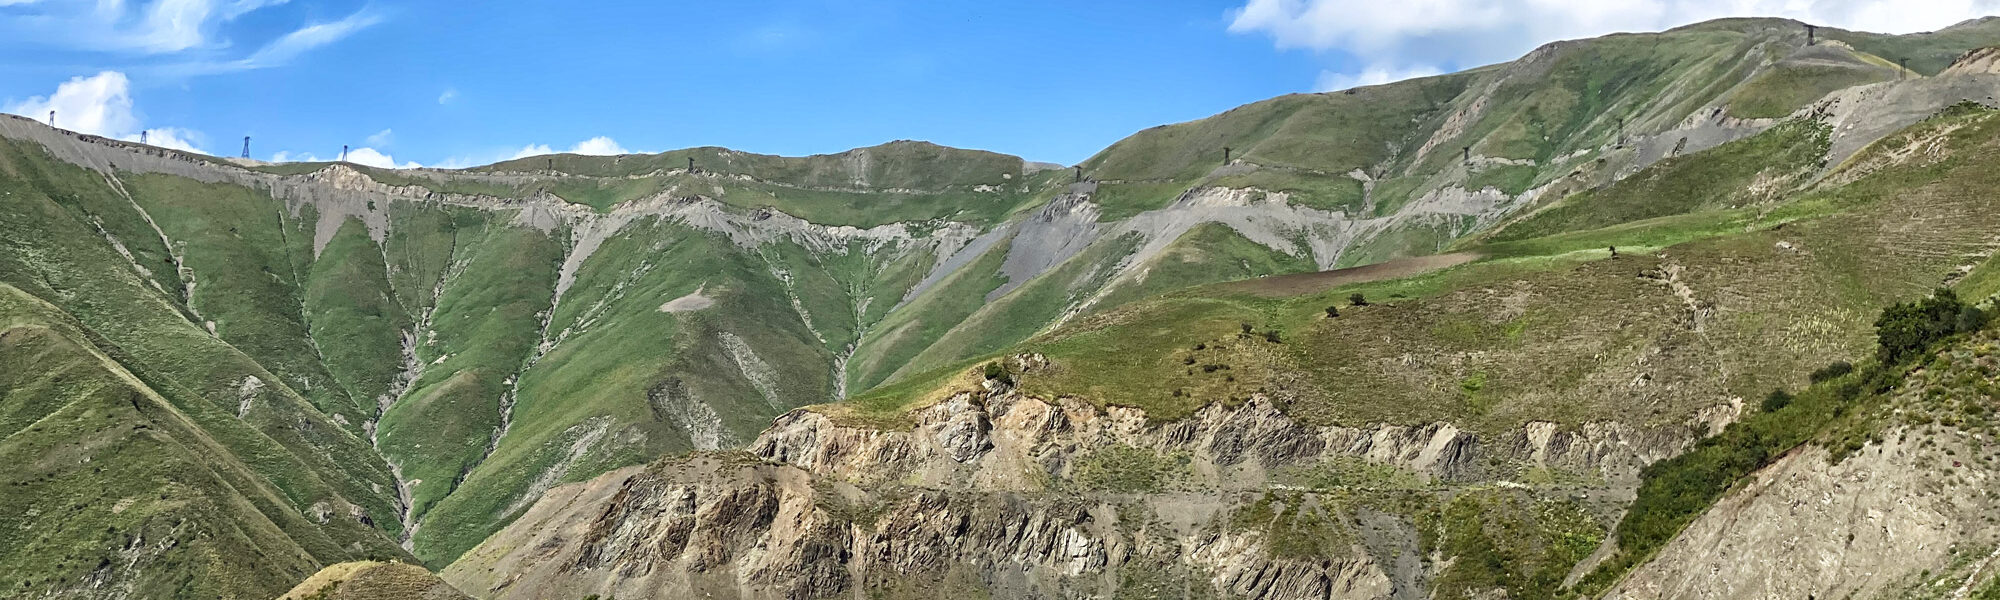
[[1311, 283]]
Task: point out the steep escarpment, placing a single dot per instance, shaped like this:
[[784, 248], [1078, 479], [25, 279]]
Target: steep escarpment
[[373, 581], [1894, 501], [403, 362], [998, 492], [1440, 159], [1490, 428]]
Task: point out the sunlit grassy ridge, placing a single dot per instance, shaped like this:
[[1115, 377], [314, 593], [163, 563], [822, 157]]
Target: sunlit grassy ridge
[[1550, 328], [92, 445], [893, 182], [1719, 305], [1753, 171], [194, 438], [1558, 121], [431, 317]]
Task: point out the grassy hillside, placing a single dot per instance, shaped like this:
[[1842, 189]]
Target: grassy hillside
[[155, 435], [1744, 173], [1563, 98], [369, 580], [1928, 53], [1699, 309], [117, 489], [1724, 302], [1795, 83], [1395, 155], [416, 361], [894, 182]]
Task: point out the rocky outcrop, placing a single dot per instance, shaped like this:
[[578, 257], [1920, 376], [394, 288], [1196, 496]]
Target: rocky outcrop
[[1982, 61], [369, 580], [1899, 514], [1000, 492], [987, 440], [732, 526], [1863, 114]]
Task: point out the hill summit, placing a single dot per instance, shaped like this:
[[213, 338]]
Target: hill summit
[[1509, 331]]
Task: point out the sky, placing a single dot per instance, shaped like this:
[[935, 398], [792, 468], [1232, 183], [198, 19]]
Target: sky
[[455, 84]]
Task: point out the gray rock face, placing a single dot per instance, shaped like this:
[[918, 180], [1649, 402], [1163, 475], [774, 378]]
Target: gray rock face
[[963, 435], [995, 487], [1052, 235], [1892, 515], [1860, 115]]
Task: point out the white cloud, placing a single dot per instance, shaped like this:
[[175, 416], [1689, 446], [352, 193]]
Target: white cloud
[[155, 27], [1330, 81], [169, 137], [365, 157], [1466, 33], [242, 7], [173, 25], [360, 156], [447, 96], [534, 150], [375, 158], [191, 28], [382, 138], [101, 104], [284, 49], [598, 146]]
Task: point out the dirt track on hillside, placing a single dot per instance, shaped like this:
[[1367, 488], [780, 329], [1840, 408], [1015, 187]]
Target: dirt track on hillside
[[1309, 283]]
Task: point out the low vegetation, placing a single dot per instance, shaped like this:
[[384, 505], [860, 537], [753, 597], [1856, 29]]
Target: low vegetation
[[1675, 491]]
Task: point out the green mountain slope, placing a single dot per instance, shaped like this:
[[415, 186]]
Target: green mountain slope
[[120, 493], [1548, 420], [1405, 169], [415, 357]]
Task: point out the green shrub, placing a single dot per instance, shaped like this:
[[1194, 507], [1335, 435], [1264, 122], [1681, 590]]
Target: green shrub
[[1776, 401], [1832, 371], [1907, 329], [1673, 492], [1332, 311], [1971, 318], [995, 372], [1357, 299]]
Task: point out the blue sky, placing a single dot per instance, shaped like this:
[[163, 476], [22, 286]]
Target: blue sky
[[455, 84]]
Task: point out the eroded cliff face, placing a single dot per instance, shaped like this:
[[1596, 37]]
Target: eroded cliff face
[[1902, 506], [994, 491], [1896, 517]]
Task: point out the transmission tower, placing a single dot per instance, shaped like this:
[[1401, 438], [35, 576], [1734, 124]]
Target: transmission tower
[[142, 136], [52, 118], [246, 146], [343, 153]]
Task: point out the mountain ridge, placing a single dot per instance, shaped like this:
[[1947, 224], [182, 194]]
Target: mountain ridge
[[436, 349]]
